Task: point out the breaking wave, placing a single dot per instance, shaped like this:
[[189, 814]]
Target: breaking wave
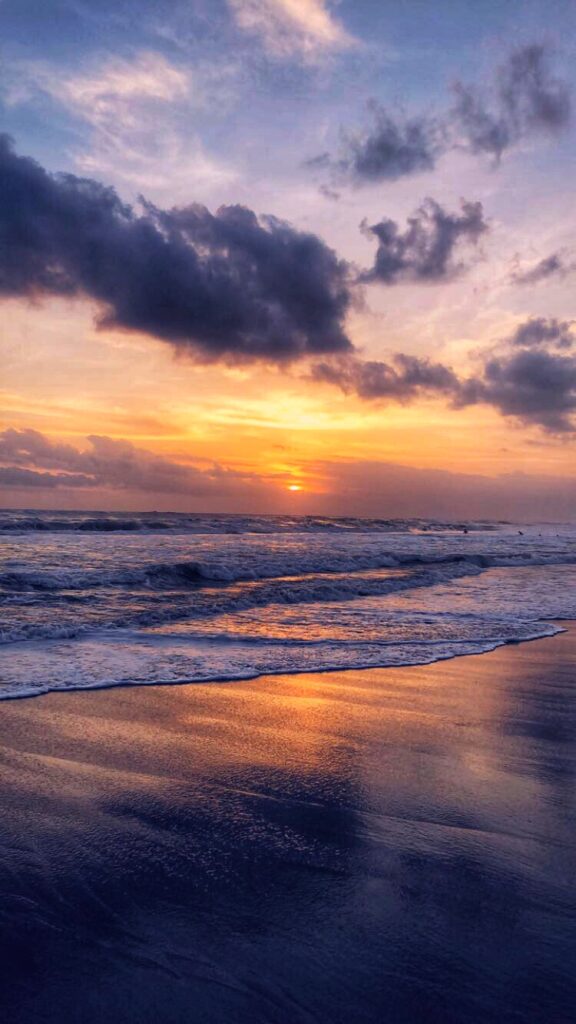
[[129, 604]]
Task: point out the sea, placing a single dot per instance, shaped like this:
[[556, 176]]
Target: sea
[[105, 599]]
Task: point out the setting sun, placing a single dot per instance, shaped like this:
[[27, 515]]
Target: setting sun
[[294, 487]]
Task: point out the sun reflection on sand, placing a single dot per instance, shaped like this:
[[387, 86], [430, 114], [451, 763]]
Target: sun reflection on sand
[[351, 829]]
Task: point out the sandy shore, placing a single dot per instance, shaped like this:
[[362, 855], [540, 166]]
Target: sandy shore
[[395, 845]]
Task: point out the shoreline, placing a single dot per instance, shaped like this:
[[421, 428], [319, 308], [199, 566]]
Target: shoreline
[[296, 672]]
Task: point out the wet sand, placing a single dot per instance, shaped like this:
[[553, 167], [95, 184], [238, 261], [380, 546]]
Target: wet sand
[[395, 845]]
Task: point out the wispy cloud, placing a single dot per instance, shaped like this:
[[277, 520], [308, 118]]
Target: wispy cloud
[[523, 99], [304, 29], [557, 265], [139, 115], [107, 91], [119, 83]]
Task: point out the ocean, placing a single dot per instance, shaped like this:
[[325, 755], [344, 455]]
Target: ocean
[[109, 599]]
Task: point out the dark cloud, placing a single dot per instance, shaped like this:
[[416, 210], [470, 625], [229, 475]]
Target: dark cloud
[[525, 99], [390, 149], [402, 380], [426, 250], [30, 459], [329, 193], [531, 96], [227, 286], [537, 387], [530, 376], [551, 266], [541, 331], [483, 131], [14, 476]]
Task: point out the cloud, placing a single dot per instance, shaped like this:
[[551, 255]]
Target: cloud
[[291, 28], [14, 476], [537, 387], [425, 251], [109, 467], [234, 287], [391, 148], [551, 266], [539, 331], [226, 286], [111, 91], [524, 99], [402, 380], [30, 459], [122, 101], [530, 376]]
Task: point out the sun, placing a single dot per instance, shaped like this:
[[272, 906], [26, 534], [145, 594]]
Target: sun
[[294, 487]]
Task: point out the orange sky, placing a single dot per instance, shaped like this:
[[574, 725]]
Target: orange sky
[[235, 118], [278, 426]]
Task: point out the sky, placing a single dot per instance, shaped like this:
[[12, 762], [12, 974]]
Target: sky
[[289, 256]]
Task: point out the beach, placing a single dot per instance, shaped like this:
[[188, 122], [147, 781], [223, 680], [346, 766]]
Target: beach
[[391, 844], [287, 512]]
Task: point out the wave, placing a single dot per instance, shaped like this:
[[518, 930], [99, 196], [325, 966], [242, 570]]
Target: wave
[[198, 597], [98, 663], [161, 576], [86, 608], [23, 521], [192, 574]]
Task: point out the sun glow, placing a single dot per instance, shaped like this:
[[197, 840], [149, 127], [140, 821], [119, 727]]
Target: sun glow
[[294, 487]]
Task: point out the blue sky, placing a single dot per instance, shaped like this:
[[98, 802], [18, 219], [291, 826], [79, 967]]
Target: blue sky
[[246, 93]]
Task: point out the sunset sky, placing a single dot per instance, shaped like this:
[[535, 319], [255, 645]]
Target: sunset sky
[[337, 272]]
